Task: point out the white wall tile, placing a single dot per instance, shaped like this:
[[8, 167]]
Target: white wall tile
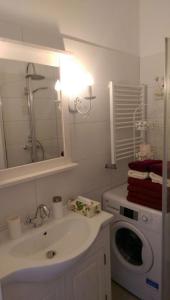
[[97, 194], [16, 132], [17, 155], [64, 184], [88, 140], [46, 129], [18, 200], [45, 108], [152, 66], [15, 109], [89, 175], [51, 148], [13, 88]]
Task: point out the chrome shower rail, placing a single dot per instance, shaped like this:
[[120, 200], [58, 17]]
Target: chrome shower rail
[[33, 143]]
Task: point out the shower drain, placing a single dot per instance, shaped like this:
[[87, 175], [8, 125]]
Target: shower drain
[[50, 254]]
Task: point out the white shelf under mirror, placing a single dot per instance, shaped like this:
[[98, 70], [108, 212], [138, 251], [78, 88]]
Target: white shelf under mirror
[[14, 176]]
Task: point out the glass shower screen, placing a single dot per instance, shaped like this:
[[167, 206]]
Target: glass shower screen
[[166, 178]]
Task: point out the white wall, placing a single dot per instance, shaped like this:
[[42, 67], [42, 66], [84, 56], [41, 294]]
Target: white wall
[[111, 23], [89, 136], [154, 25]]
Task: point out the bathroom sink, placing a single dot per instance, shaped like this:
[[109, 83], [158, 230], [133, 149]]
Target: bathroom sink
[[63, 238], [43, 253]]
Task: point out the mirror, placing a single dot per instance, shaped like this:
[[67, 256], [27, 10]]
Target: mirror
[[31, 128]]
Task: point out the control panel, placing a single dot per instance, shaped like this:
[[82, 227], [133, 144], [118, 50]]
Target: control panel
[[129, 213], [145, 217]]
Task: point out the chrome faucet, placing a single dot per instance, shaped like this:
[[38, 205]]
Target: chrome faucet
[[41, 215]]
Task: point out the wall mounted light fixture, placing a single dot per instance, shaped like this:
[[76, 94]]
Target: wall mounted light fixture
[[83, 104], [57, 87], [76, 82]]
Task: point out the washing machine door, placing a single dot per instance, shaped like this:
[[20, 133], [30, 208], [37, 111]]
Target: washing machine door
[[131, 247]]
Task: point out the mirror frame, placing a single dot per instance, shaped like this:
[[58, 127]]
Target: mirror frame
[[21, 51]]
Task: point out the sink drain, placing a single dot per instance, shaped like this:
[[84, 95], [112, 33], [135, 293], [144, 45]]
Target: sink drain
[[50, 254]]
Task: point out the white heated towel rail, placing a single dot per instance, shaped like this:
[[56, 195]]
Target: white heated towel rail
[[127, 107]]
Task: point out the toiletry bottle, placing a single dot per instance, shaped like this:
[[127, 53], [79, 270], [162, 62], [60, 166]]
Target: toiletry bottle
[[57, 207]]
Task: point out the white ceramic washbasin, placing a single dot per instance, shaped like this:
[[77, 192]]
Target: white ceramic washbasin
[[63, 238], [25, 259]]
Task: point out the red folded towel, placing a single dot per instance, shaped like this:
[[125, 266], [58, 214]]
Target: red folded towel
[[144, 165], [145, 201], [158, 169], [146, 184], [140, 202], [145, 192], [145, 198]]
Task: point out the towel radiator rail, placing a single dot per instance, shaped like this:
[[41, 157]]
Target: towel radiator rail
[[127, 106]]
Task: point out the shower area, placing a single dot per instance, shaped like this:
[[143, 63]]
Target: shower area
[[34, 146], [30, 113], [166, 178], [158, 136]]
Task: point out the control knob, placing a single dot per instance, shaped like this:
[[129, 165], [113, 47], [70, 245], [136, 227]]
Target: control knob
[[145, 218]]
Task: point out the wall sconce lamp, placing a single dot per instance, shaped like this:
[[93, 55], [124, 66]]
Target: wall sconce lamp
[[83, 105], [57, 87], [75, 81]]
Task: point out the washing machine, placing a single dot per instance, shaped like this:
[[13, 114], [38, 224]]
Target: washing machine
[[135, 245]]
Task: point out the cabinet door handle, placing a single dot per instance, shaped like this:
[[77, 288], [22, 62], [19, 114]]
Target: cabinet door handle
[[105, 259]]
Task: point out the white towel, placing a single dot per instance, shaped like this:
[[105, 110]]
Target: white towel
[[137, 174], [155, 178], [158, 179]]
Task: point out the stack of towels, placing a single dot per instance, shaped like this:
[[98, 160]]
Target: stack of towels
[[145, 183]]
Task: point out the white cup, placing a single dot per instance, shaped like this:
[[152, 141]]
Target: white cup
[[14, 227], [58, 210]]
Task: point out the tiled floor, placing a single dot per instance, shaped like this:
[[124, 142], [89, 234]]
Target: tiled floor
[[119, 293]]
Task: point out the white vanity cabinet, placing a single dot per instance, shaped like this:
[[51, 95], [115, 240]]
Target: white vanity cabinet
[[87, 279], [90, 279], [52, 290]]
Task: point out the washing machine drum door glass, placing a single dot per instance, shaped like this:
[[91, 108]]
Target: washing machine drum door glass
[[131, 247]]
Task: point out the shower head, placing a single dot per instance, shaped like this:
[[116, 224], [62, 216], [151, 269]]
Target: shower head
[[40, 88], [33, 75]]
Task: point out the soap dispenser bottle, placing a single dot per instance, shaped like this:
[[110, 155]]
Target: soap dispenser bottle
[[57, 204]]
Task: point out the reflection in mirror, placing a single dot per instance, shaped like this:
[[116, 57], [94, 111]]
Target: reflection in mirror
[[30, 114]]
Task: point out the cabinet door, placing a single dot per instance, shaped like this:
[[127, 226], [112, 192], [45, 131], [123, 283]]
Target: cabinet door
[[53, 290], [87, 280]]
